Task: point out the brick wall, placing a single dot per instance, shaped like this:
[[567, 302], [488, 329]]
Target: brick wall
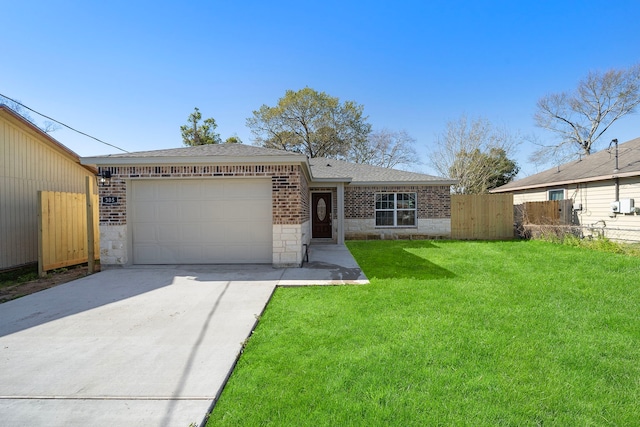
[[289, 187], [432, 201]]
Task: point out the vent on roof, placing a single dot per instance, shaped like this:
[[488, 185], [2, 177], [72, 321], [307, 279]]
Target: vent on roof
[[328, 165]]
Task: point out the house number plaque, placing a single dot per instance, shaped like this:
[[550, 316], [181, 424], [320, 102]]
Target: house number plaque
[[109, 200]]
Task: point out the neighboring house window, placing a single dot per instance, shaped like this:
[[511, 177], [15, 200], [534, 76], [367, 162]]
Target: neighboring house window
[[556, 194], [395, 209]]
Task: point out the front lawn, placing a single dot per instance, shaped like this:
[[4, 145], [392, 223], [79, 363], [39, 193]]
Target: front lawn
[[520, 333]]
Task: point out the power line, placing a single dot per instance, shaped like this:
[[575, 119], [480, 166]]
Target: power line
[[60, 123]]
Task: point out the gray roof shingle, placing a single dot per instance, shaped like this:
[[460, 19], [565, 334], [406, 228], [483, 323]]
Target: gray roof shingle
[[595, 167], [229, 150], [323, 168]]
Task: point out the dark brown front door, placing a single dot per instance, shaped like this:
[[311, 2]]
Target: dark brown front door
[[321, 215]]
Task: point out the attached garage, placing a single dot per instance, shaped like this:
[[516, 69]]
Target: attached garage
[[201, 221]]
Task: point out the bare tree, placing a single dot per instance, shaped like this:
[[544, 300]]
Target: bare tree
[[475, 153], [47, 126], [385, 148], [581, 117]]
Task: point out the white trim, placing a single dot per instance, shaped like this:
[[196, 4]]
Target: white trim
[[340, 215], [401, 183], [185, 160], [566, 182]]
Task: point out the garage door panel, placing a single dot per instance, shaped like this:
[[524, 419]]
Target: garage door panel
[[145, 192], [191, 254], [190, 211], [201, 221], [190, 190], [211, 233], [167, 212], [212, 190], [168, 233], [261, 234], [166, 191], [145, 232], [145, 253], [191, 231], [239, 232], [145, 210]]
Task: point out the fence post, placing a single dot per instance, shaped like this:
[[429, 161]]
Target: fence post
[[91, 262], [41, 272]]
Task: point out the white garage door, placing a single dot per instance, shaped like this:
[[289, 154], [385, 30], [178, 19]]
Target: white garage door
[[197, 221]]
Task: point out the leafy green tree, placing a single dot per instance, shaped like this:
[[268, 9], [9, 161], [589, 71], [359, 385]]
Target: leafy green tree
[[476, 154], [579, 118], [235, 139], [478, 172], [312, 123], [194, 133]]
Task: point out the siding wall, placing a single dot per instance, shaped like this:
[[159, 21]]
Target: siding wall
[[596, 215], [29, 161]]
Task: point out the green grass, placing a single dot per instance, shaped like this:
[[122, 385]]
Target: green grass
[[521, 333]]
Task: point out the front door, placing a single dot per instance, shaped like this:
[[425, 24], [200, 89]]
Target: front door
[[321, 215]]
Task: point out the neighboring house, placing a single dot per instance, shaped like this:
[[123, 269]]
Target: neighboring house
[[605, 200], [235, 203], [30, 160]]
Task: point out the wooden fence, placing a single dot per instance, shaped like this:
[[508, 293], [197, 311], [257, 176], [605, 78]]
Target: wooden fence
[[550, 212], [65, 232], [482, 216]]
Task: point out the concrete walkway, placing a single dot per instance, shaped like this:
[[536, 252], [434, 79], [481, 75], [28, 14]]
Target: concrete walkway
[[148, 346]]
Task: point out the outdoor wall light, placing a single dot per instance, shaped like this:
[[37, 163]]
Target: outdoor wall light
[[104, 178]]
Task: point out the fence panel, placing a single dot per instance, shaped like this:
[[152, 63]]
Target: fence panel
[[550, 212], [482, 216], [62, 237]]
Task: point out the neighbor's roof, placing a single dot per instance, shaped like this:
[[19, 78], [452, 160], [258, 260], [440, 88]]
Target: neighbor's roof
[[8, 112], [324, 169], [595, 167]]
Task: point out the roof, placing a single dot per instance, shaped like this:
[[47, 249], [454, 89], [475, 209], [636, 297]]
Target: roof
[[595, 167], [231, 153], [8, 112], [324, 169]]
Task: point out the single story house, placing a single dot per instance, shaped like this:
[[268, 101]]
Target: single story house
[[236, 203], [30, 161], [604, 188]]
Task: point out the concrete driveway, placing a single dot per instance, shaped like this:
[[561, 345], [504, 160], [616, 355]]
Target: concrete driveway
[[138, 346]]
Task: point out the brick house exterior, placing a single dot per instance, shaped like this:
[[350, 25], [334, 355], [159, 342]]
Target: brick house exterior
[[293, 180], [433, 212]]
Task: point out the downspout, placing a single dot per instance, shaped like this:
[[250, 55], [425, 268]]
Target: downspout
[[616, 180]]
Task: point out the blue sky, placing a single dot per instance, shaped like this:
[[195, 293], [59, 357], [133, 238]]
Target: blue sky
[[131, 72]]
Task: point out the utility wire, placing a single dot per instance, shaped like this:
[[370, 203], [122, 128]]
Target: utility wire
[[60, 123]]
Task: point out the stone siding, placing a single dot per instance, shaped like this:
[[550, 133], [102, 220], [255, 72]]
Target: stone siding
[[428, 228], [113, 245]]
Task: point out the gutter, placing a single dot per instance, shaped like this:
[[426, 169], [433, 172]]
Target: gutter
[[186, 160], [569, 181]]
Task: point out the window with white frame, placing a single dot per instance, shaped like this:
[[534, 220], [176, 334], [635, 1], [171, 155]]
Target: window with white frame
[[395, 209], [556, 194]]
